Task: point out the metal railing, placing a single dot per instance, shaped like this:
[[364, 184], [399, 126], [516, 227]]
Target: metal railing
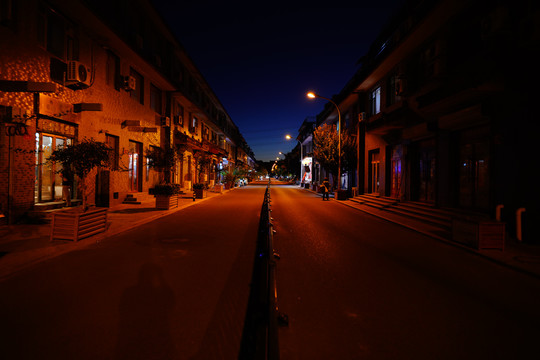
[[260, 335]]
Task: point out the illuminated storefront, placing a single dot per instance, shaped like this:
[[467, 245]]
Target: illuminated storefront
[[307, 169], [51, 135]]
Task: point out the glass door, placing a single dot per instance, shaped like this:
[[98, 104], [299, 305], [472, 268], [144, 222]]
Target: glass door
[[48, 183], [135, 166], [374, 163]]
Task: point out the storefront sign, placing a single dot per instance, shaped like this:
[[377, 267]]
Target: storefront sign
[[55, 127]]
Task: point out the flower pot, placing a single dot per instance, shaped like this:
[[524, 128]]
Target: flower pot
[[166, 202], [76, 225], [198, 193]]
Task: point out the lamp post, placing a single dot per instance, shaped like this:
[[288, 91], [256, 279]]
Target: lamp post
[[289, 137], [312, 95]]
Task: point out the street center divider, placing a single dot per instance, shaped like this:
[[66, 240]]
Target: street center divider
[[260, 333]]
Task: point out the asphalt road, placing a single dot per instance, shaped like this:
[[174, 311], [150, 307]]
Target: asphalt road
[[175, 288], [357, 287]]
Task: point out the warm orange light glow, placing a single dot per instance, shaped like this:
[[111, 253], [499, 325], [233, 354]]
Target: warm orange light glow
[[311, 95], [288, 137]]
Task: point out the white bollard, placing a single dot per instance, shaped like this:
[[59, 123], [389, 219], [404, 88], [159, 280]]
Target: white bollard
[[519, 233], [498, 210]]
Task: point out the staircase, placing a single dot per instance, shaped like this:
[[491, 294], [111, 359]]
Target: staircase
[[42, 212], [130, 199], [421, 217]]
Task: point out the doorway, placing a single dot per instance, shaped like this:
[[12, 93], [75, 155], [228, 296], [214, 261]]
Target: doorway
[[48, 181], [373, 172], [135, 166], [474, 170], [424, 171]]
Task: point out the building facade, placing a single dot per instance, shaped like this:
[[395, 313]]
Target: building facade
[[443, 107], [111, 71]]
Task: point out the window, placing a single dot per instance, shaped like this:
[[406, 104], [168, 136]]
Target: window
[[114, 143], [193, 124], [138, 93], [375, 101], [178, 114], [155, 98], [7, 13], [113, 70], [56, 35], [205, 132], [391, 90]]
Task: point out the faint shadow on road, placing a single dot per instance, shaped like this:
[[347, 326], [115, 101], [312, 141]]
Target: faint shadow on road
[[145, 309], [133, 211]]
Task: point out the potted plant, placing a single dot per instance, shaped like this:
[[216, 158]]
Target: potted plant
[[166, 196], [81, 159], [198, 189], [164, 160]]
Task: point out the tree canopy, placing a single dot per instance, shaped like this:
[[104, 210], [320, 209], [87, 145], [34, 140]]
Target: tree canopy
[[325, 150]]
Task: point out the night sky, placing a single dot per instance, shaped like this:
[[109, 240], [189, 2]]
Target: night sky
[[261, 60]]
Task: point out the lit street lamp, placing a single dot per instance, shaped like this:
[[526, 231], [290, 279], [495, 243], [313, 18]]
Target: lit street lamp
[[289, 137], [312, 95]]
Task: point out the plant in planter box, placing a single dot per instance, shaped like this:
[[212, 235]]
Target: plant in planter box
[[198, 189], [166, 196], [81, 159]]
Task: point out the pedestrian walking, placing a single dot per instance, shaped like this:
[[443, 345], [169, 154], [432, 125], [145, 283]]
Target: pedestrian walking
[[326, 189], [67, 182]]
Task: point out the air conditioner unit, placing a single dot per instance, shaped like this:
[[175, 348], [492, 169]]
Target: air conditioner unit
[[130, 83], [78, 74]]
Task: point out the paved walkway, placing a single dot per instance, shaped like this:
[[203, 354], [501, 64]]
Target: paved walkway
[[520, 256], [23, 245]]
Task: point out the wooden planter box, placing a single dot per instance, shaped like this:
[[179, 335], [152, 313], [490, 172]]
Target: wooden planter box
[[199, 193], [166, 202], [479, 234], [75, 225]]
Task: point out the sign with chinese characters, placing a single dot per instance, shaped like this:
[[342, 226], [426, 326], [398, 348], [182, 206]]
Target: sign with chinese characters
[[55, 127]]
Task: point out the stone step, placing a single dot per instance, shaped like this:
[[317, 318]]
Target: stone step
[[377, 201]]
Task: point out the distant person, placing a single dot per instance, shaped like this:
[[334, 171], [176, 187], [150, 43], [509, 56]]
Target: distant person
[[67, 182], [326, 189]]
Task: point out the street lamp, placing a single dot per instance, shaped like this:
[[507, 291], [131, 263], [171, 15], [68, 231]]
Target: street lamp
[[312, 95], [289, 137]]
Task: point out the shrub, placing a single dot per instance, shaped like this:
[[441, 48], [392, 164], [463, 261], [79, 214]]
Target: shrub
[[167, 189]]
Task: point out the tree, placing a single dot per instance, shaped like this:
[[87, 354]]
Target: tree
[[203, 162], [82, 158], [163, 160], [325, 150]]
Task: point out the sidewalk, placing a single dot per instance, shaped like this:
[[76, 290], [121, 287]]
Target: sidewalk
[[24, 245], [519, 256]]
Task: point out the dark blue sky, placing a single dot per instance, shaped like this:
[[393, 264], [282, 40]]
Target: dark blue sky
[[261, 60]]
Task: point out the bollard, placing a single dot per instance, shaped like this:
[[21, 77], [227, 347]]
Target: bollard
[[194, 195], [498, 210], [519, 233]]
